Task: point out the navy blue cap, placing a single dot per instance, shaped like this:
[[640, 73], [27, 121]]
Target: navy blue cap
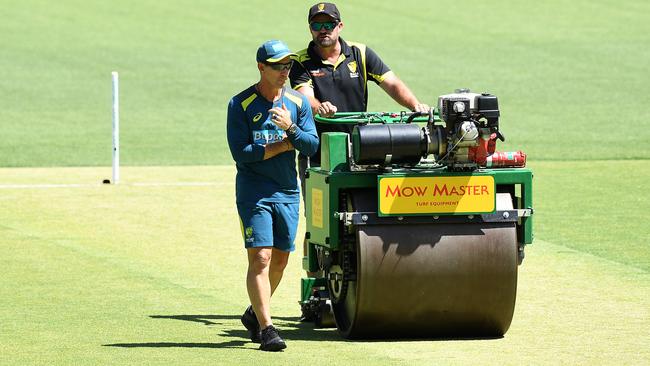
[[273, 51]]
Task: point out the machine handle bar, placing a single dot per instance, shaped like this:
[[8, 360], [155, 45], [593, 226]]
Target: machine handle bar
[[429, 114], [376, 117]]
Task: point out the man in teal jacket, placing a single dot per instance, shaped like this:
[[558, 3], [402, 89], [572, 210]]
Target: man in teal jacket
[[267, 122]]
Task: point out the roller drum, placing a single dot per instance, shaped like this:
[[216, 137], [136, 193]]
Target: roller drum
[[438, 280]]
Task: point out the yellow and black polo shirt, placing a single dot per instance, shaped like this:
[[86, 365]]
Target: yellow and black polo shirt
[[344, 83]]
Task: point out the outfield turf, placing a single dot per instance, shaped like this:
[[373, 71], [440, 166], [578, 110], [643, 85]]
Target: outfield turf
[[153, 273], [570, 76]]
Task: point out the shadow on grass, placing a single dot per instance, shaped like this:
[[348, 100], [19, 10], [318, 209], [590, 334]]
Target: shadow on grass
[[291, 329], [231, 344], [210, 319]]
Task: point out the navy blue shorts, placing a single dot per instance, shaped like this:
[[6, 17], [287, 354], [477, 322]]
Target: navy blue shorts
[[269, 224]]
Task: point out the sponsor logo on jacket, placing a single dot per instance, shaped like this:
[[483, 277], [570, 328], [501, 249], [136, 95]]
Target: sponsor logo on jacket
[[264, 137]]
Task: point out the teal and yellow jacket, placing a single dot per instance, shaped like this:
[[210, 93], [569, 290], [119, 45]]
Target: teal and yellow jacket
[[249, 129]]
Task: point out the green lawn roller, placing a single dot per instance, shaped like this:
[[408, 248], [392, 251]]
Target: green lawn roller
[[416, 224]]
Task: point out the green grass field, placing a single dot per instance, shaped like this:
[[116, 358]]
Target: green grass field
[[571, 77], [148, 272], [152, 271]]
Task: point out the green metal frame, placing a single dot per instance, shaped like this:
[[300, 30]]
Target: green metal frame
[[373, 117], [332, 183], [307, 285]]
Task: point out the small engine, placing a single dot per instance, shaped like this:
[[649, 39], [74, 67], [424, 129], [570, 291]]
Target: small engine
[[467, 140]]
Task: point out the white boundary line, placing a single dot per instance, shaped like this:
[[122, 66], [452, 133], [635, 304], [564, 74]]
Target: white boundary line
[[150, 184], [21, 186], [180, 184]]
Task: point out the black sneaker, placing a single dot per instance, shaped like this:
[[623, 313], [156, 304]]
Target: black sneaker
[[271, 340], [250, 322]]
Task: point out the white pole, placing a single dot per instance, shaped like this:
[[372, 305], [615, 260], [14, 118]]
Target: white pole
[[116, 128]]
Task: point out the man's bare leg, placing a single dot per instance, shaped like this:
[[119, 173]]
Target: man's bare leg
[[279, 262], [258, 283]]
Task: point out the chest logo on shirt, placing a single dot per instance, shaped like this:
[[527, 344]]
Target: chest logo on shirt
[[352, 66], [316, 73], [264, 137], [257, 117]]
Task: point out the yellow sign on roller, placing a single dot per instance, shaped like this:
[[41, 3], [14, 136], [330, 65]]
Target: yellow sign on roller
[[432, 195], [317, 207]]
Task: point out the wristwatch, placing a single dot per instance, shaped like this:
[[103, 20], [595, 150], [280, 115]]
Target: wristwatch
[[292, 129]]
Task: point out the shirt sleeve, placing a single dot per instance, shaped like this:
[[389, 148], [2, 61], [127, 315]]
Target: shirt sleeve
[[375, 67], [238, 133], [305, 139], [299, 77]]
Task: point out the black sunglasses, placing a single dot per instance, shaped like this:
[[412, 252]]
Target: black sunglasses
[[317, 26], [280, 67]]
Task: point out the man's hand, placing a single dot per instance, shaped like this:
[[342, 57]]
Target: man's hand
[[421, 107], [288, 144], [326, 109], [277, 148], [281, 117]]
